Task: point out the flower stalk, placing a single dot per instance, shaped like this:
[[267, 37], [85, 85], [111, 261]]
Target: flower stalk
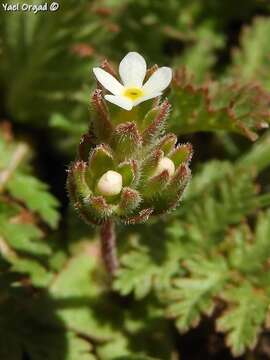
[[108, 246]]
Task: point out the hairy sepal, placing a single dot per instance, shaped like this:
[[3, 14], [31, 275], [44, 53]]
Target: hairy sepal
[[155, 122], [100, 119], [126, 140], [130, 200], [100, 161]]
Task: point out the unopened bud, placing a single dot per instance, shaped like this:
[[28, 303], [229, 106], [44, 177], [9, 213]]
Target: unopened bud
[[110, 183], [165, 164]]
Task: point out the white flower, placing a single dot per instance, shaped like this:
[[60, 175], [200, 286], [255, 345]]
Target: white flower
[[110, 183], [132, 70], [165, 164]]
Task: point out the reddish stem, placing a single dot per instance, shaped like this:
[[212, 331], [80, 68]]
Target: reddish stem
[[108, 246]]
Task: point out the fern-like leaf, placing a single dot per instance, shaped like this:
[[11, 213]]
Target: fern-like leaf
[[193, 295], [230, 106], [251, 61], [244, 317]]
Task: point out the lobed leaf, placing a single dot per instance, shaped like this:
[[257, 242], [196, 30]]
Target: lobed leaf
[[194, 295], [244, 318], [251, 61], [228, 106], [36, 197]]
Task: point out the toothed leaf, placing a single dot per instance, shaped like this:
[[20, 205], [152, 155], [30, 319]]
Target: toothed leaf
[[193, 295], [244, 317]]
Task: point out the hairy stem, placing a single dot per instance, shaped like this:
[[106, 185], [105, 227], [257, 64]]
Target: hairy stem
[[108, 246]]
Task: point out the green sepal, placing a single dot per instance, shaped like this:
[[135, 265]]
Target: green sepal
[[94, 209], [170, 198], [79, 192], [129, 172], [142, 217], [179, 179], [181, 154], [77, 187], [155, 121], [86, 213], [151, 162], [101, 208], [156, 184], [149, 118], [126, 140], [100, 161], [167, 143], [100, 119], [130, 200]]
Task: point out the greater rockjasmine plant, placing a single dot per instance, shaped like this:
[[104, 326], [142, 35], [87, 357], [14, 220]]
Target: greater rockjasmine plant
[[203, 266], [127, 167]]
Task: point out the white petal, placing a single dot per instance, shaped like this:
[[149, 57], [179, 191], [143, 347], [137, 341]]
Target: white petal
[[108, 81], [120, 101], [146, 97], [159, 80], [165, 164], [132, 69]]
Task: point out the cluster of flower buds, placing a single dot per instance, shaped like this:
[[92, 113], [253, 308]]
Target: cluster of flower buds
[[127, 167]]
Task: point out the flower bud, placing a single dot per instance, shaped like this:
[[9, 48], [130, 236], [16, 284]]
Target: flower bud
[[110, 183], [165, 164]]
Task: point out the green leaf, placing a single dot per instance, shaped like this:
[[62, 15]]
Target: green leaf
[[79, 296], [209, 174], [144, 269], [251, 60], [258, 157], [24, 237], [244, 317], [194, 295], [22, 242], [33, 45], [227, 106], [113, 349], [201, 55], [35, 195], [250, 251], [219, 201], [136, 274], [78, 348], [39, 275]]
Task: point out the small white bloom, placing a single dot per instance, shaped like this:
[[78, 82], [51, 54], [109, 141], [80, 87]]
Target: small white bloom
[[110, 183], [132, 70], [165, 164]]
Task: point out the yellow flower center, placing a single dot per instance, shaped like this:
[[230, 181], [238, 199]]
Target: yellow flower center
[[133, 93]]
